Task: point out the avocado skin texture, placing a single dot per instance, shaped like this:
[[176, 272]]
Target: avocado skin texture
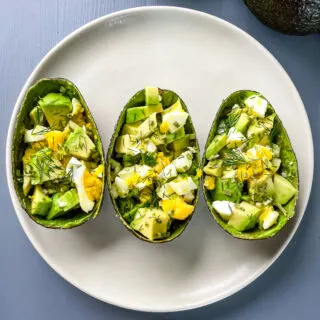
[[40, 89], [289, 163], [168, 99], [297, 17]]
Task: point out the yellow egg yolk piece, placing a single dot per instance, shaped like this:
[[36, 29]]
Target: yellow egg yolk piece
[[164, 127], [199, 173], [38, 145], [177, 208], [257, 167], [54, 139], [244, 172], [259, 153], [132, 180], [27, 155], [162, 161], [92, 185], [209, 182]]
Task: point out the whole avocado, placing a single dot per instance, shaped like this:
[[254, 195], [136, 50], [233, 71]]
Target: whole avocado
[[298, 17]]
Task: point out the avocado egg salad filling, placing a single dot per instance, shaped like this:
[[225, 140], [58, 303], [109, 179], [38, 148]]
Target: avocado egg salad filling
[[153, 165], [58, 157], [250, 170]]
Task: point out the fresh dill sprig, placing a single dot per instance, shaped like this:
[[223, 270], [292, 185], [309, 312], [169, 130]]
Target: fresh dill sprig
[[232, 119], [234, 157]]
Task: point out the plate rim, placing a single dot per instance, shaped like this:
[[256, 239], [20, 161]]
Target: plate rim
[[16, 205]]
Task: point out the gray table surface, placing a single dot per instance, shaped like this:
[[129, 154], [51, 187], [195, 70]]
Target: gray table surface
[[30, 289]]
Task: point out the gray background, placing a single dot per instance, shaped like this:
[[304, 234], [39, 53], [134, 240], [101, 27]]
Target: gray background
[[30, 289]]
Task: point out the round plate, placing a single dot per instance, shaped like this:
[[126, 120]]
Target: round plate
[[203, 59]]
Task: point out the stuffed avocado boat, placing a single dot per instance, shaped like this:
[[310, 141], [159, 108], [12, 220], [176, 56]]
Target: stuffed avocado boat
[[58, 162], [153, 165], [250, 176]]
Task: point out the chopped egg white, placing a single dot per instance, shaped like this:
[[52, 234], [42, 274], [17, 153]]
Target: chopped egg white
[[224, 208], [151, 147], [189, 197], [139, 176], [183, 186], [229, 174], [126, 172], [183, 162], [36, 134], [168, 172], [77, 169], [258, 105], [270, 219], [146, 174], [235, 138], [121, 187], [175, 120], [165, 191]]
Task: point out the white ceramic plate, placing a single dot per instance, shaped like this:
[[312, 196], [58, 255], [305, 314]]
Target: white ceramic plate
[[203, 59]]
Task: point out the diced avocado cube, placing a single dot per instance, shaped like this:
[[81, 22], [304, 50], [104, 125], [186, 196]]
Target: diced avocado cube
[[214, 168], [227, 189], [129, 160], [170, 137], [218, 142], [244, 216], [261, 188], [73, 126], [43, 166], [40, 202], [242, 123], [63, 203], [131, 128], [141, 129], [36, 116], [148, 126], [128, 144], [183, 143], [57, 109], [152, 96], [79, 144], [152, 223], [259, 131], [140, 113], [283, 189], [158, 138]]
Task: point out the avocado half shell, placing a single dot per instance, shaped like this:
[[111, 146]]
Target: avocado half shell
[[298, 17], [168, 98], [38, 90], [288, 162]]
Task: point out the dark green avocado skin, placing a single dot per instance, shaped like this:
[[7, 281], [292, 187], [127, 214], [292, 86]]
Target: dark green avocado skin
[[297, 17], [168, 98], [289, 163], [37, 90]]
